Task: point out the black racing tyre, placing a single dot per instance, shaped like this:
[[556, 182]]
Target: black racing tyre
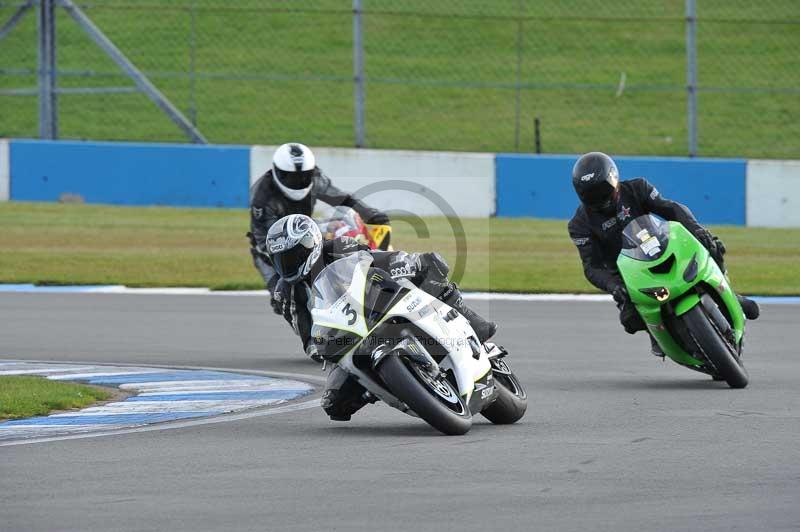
[[716, 348], [437, 403], [511, 402]]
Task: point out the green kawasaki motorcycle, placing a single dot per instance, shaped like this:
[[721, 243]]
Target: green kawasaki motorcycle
[[684, 298]]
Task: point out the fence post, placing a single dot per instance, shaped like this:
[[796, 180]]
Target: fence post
[[518, 95], [48, 97], [358, 74], [691, 74], [192, 57]]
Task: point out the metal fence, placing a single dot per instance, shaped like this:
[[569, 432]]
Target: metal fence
[[671, 77]]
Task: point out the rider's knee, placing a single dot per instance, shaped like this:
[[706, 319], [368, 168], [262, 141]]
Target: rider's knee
[[434, 263]]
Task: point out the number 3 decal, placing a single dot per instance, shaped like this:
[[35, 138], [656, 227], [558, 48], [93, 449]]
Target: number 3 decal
[[348, 311]]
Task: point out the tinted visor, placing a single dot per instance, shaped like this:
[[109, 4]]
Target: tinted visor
[[295, 180], [598, 197], [289, 264]]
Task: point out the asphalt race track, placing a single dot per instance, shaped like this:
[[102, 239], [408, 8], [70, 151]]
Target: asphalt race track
[[614, 439]]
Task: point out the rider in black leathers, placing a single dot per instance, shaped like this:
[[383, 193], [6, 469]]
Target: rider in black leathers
[[293, 185], [607, 204], [298, 253]]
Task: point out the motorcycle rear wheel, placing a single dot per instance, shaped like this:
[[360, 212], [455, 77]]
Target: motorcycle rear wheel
[[410, 386], [511, 402], [716, 348]]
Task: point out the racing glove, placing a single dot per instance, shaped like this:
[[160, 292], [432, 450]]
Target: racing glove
[[721, 250], [285, 304], [706, 239], [630, 318], [377, 218], [713, 244], [279, 297]]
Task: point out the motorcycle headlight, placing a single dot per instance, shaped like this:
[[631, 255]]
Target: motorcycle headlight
[[690, 272], [659, 294]]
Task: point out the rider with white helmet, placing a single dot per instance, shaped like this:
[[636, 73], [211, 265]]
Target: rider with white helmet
[[292, 185]]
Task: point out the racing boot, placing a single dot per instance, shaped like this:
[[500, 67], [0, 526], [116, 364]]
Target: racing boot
[[344, 396], [655, 349], [749, 307], [484, 329], [342, 409]]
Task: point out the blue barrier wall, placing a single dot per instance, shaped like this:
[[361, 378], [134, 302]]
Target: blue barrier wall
[[218, 176], [130, 174], [540, 185]]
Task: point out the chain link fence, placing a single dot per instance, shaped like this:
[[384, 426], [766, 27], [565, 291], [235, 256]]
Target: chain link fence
[[613, 75]]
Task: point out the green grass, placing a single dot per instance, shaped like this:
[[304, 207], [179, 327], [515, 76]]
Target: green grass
[[87, 244], [440, 75], [22, 396]]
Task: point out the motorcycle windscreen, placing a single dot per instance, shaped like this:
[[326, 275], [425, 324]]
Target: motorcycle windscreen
[[348, 216], [334, 281], [338, 294], [344, 221], [645, 238]]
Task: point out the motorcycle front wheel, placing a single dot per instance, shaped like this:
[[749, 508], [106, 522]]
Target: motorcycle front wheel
[[716, 348], [431, 398]]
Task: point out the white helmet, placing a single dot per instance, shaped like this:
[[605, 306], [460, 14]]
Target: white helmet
[[293, 167], [294, 244]]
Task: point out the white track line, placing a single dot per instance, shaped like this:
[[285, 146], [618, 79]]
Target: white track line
[[42, 372], [178, 291], [175, 424], [167, 387], [104, 373], [477, 296], [180, 406]]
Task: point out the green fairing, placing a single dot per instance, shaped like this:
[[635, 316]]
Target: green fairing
[[637, 276], [686, 304]]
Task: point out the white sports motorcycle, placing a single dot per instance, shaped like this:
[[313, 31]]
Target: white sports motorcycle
[[410, 350]]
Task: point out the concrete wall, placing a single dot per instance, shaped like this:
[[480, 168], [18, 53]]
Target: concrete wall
[[422, 183], [541, 186], [130, 174], [773, 193], [5, 170]]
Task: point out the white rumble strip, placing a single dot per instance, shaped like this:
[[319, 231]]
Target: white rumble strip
[[160, 395]]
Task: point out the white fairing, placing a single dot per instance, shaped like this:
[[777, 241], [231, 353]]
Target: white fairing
[[456, 335], [418, 307]]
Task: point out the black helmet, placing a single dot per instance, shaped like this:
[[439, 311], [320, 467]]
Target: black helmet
[[294, 243], [293, 167], [596, 179]]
